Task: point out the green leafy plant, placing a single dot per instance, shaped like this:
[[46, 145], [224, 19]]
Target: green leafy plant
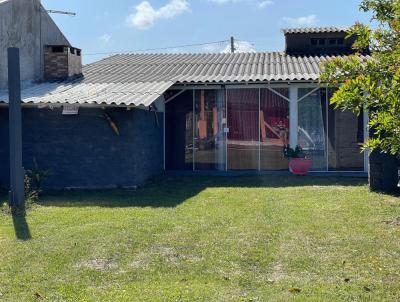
[[372, 83], [31, 195], [289, 152], [37, 177]]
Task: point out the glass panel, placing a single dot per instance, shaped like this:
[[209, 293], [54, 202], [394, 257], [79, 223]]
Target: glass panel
[[179, 132], [189, 140], [274, 124], [244, 130], [210, 147], [345, 137], [312, 126]]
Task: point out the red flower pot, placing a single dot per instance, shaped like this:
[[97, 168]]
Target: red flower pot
[[300, 166]]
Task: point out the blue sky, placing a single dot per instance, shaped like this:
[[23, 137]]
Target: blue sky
[[103, 26]]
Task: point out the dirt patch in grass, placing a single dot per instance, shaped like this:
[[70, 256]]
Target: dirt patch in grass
[[142, 260], [395, 221], [164, 253], [278, 273], [98, 264]]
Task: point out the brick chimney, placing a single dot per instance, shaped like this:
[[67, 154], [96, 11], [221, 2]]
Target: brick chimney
[[61, 62]]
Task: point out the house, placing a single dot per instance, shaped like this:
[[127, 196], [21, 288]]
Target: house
[[26, 24], [129, 117]]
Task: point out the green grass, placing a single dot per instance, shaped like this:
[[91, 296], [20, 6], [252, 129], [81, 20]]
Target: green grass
[[206, 239]]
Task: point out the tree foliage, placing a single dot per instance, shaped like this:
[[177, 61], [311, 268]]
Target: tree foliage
[[372, 82]]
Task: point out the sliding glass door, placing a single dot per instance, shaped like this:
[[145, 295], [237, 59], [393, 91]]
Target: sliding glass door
[[312, 126], [274, 128], [244, 134], [209, 138], [179, 132], [331, 138], [345, 138]]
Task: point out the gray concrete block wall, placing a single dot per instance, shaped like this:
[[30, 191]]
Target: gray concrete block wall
[[83, 151]]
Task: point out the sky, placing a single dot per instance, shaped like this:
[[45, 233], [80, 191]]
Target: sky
[[102, 27]]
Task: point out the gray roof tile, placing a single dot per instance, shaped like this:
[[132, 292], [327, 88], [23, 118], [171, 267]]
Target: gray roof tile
[[204, 68], [314, 30]]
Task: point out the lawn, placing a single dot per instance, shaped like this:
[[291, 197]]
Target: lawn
[[206, 239]]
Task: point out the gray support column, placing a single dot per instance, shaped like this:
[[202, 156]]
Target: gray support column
[[294, 118], [221, 137], [17, 198]]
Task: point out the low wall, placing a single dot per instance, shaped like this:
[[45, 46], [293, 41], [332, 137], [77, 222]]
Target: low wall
[[83, 151]]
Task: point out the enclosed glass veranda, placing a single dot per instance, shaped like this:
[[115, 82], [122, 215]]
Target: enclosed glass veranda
[[239, 127]]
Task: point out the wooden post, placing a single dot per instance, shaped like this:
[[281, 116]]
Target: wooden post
[[16, 196]]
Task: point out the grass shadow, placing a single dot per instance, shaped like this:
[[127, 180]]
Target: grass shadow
[[171, 191], [21, 227]]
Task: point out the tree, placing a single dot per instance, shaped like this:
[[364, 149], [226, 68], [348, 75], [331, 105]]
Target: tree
[[372, 82]]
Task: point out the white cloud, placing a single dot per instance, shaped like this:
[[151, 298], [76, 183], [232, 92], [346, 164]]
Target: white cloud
[[310, 20], [106, 38], [145, 15], [265, 3]]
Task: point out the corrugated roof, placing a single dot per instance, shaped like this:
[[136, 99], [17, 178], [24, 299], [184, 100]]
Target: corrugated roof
[[205, 68], [314, 30], [139, 79], [142, 93]]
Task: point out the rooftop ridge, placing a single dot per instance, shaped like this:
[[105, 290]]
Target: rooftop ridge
[[125, 59], [322, 29]]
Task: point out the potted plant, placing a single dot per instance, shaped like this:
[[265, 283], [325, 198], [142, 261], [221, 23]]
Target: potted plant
[[299, 164]]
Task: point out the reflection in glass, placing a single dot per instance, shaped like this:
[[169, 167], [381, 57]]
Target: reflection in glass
[[274, 125], [243, 124], [210, 148], [312, 126]]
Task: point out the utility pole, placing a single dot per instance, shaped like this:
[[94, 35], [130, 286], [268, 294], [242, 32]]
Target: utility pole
[[233, 45], [17, 190]]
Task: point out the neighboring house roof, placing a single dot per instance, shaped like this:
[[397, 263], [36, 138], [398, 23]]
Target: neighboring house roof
[[315, 30], [137, 94], [139, 79]]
